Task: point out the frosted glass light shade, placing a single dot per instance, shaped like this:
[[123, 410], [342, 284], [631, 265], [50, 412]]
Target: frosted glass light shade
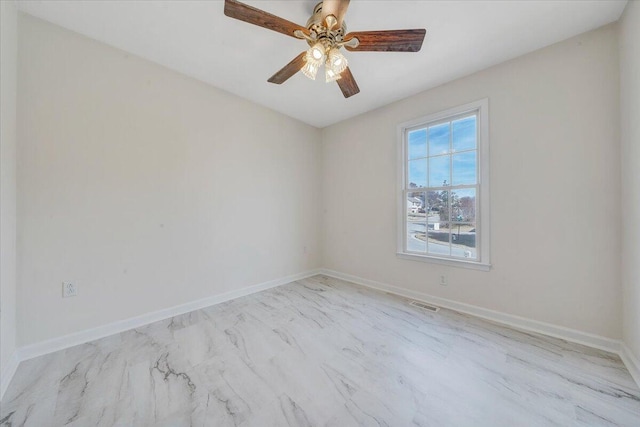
[[314, 59], [336, 61], [330, 75], [310, 70]]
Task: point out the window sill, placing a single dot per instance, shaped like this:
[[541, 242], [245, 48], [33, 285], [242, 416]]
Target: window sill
[[472, 265]]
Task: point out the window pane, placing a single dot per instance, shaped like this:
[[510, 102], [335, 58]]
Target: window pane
[[437, 217], [440, 171], [417, 173], [416, 206], [437, 205], [416, 222], [463, 205], [464, 134], [464, 168], [463, 240], [417, 143], [439, 139], [438, 243]]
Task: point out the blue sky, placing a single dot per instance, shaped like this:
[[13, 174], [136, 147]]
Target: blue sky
[[438, 168]]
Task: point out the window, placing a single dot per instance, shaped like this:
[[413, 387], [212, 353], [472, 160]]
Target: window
[[443, 213]]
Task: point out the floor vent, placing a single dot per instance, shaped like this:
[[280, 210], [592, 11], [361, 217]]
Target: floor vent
[[425, 306]]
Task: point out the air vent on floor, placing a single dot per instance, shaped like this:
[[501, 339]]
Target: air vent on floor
[[425, 306]]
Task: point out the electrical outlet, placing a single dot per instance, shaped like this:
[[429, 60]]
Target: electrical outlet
[[69, 290], [443, 280]]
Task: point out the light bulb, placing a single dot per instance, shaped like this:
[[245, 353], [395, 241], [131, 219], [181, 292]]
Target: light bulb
[[317, 53]]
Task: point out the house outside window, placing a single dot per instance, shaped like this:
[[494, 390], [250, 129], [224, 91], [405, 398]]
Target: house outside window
[[443, 187]]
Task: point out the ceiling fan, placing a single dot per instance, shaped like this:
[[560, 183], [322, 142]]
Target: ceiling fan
[[326, 33]]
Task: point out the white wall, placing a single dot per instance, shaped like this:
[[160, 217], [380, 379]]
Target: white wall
[[630, 113], [146, 188], [8, 85], [555, 156], [149, 189]]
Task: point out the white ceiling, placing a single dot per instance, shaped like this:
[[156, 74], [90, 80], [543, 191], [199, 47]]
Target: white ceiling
[[197, 39]]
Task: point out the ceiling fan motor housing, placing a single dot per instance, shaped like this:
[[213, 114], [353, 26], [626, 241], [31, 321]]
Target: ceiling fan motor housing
[[328, 37]]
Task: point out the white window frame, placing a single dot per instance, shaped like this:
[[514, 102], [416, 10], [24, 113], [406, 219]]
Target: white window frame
[[483, 223]]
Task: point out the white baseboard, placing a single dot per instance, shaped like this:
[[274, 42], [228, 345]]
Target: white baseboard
[[7, 372], [631, 361], [66, 341], [511, 320]]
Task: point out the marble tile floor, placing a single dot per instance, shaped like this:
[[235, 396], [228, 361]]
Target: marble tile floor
[[323, 352]]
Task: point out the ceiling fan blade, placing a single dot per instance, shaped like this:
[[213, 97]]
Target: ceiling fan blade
[[288, 70], [246, 13], [348, 84], [387, 41], [336, 8]]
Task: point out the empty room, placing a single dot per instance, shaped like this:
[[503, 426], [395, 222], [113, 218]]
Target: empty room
[[344, 213]]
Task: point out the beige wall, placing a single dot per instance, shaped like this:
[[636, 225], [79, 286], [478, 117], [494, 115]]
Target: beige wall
[[8, 86], [630, 113], [146, 188], [555, 189]]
